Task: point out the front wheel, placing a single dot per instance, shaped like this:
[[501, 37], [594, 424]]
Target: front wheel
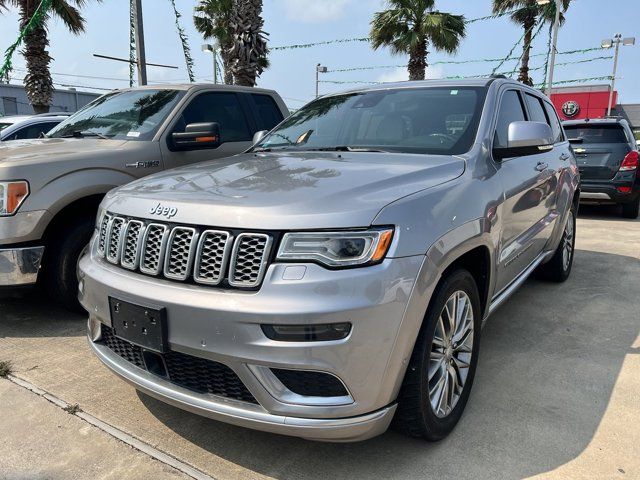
[[61, 263], [438, 381]]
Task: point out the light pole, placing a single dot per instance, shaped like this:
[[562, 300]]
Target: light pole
[[608, 43], [554, 43], [208, 47], [139, 36], [319, 69]]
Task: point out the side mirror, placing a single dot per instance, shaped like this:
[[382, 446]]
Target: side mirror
[[197, 136], [259, 136], [526, 138]]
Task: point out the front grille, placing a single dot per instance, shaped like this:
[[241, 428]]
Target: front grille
[[185, 253], [194, 373], [310, 384]]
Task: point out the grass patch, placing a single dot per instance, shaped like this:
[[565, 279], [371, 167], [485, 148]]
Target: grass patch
[[6, 369]]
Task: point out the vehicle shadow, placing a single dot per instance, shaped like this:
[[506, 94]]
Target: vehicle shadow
[[549, 361], [30, 313]]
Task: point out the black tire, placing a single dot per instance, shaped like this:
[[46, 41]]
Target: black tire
[[631, 209], [415, 415], [61, 261], [556, 269]]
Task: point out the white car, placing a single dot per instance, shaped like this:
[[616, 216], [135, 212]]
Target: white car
[[21, 127]]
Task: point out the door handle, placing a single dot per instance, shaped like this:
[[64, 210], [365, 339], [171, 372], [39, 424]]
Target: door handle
[[541, 166], [564, 156]]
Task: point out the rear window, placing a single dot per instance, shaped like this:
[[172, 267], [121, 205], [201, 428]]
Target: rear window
[[4, 125], [596, 133]]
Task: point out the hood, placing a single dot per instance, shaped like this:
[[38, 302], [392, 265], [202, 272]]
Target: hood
[[284, 191], [51, 149]]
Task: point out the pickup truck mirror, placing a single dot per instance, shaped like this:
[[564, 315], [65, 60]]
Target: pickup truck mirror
[[197, 136], [526, 138], [259, 136]]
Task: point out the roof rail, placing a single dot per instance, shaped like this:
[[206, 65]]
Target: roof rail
[[497, 75]]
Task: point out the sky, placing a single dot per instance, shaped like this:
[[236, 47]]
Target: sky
[[292, 72]]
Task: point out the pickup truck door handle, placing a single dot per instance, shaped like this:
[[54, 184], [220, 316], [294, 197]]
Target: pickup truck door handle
[[541, 166], [564, 156]]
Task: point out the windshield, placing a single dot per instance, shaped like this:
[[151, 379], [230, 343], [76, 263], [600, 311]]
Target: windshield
[[4, 125], [596, 133], [432, 120], [130, 115]]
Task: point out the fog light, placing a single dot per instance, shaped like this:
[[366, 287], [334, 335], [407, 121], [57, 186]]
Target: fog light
[[307, 333]]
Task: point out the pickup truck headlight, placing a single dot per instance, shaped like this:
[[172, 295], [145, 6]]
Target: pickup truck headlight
[[337, 249], [12, 194]]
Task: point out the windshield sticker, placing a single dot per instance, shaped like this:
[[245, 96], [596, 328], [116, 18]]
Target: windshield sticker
[[454, 92], [133, 134]]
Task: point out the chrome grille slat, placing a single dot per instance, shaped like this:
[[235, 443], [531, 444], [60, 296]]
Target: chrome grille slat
[[153, 248], [183, 253], [102, 238], [249, 259], [212, 256], [180, 251], [131, 244], [114, 237]]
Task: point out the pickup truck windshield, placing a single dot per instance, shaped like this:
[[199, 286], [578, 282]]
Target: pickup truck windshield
[[434, 120], [129, 115]]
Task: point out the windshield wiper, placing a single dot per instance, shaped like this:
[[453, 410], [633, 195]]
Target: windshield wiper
[[85, 133]]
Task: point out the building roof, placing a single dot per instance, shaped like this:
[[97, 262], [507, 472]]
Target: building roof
[[630, 111]]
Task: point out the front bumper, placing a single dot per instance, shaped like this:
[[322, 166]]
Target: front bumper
[[224, 326], [19, 266]]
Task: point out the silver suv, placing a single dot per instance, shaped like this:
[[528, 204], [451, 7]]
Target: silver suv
[[336, 276]]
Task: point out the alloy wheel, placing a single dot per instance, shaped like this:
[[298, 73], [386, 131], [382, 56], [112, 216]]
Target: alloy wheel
[[450, 354], [567, 239]]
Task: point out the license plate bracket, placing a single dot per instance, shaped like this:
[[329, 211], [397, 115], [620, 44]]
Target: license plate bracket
[[142, 325]]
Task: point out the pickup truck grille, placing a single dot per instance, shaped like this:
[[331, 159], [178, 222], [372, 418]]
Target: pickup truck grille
[[185, 253]]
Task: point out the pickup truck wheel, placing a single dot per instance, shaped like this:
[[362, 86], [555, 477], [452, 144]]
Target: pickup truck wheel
[[558, 268], [61, 264], [438, 381], [631, 209]]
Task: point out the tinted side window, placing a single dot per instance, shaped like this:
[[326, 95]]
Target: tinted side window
[[536, 110], [269, 115], [510, 111], [34, 131], [223, 108], [556, 128]]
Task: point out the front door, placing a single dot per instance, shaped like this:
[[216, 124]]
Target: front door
[[528, 186], [221, 107]]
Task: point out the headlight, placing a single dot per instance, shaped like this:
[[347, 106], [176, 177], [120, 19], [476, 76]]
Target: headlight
[[337, 249], [12, 194]]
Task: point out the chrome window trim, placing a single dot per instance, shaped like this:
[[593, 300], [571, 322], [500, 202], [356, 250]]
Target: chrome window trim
[[162, 248], [167, 256], [225, 256], [125, 235], [263, 263]]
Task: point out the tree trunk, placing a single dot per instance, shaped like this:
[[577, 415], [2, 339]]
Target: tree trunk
[[523, 76], [249, 49], [37, 82], [225, 51], [418, 61]]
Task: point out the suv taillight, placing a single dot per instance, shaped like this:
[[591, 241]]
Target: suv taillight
[[630, 162]]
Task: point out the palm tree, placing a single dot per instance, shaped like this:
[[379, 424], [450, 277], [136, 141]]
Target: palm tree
[[38, 82], [411, 27], [527, 13], [212, 19], [249, 50]]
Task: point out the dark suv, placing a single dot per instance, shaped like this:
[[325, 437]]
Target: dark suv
[[607, 157]]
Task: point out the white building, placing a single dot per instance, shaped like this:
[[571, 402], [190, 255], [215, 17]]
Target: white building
[[14, 101]]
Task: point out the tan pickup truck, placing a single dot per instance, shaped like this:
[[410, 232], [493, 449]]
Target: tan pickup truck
[[50, 188]]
